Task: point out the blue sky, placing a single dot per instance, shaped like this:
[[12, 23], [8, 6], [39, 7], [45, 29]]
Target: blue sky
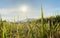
[[10, 8]]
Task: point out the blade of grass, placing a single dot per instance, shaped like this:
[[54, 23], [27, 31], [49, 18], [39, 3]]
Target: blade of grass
[[42, 22]]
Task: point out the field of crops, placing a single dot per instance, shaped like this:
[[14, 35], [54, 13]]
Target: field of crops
[[40, 28]]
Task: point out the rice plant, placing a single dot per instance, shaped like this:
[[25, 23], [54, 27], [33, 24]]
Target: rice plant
[[36, 28], [42, 22]]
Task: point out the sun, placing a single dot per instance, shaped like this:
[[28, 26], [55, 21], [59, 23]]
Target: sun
[[24, 8]]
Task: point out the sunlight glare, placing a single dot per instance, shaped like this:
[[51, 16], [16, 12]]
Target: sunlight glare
[[24, 8]]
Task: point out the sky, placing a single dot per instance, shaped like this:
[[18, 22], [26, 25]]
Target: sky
[[10, 9]]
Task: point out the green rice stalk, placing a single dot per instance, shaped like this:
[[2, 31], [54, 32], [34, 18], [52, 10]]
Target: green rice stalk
[[18, 28], [31, 32], [2, 27], [42, 22]]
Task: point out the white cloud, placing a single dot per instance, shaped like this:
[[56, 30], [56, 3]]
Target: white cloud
[[32, 13], [5, 11], [10, 13]]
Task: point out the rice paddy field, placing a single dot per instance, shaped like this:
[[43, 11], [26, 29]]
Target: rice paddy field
[[29, 18], [35, 28]]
